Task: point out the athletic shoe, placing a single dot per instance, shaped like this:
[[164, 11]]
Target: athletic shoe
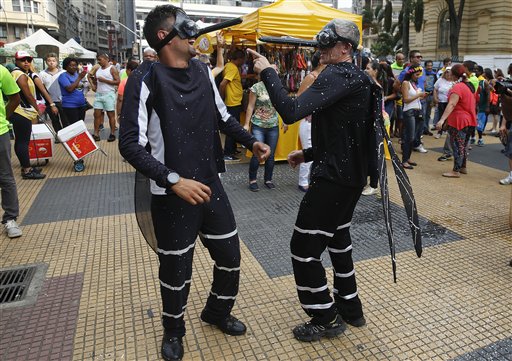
[[356, 322], [303, 188], [12, 229], [369, 191], [111, 138], [420, 149], [308, 331], [231, 158], [270, 185], [472, 141], [254, 187], [444, 157], [480, 143], [32, 174], [506, 181], [437, 136]]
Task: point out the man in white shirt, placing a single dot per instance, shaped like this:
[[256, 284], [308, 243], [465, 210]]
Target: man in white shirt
[[105, 81], [49, 77]]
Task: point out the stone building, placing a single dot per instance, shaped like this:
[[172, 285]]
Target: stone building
[[485, 35]]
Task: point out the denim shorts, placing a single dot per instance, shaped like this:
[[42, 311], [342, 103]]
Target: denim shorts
[[105, 101]]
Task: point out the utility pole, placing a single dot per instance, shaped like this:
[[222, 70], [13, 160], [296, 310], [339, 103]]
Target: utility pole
[[137, 36]]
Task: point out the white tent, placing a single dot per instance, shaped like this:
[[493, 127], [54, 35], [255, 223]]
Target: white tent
[[86, 53], [41, 37]]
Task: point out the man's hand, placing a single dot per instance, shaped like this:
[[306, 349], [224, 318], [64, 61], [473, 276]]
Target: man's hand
[[260, 62], [192, 191], [54, 109], [295, 158], [261, 151]]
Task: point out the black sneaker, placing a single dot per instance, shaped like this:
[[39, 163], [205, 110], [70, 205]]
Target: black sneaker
[[111, 138], [172, 348], [230, 325], [444, 157], [32, 175], [356, 322], [308, 331], [231, 158]]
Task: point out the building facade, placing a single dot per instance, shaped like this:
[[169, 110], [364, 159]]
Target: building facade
[[21, 18], [485, 35]]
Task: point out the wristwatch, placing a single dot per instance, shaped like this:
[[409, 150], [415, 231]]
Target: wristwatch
[[173, 178]]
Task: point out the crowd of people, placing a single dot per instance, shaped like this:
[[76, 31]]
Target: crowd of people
[[169, 118]]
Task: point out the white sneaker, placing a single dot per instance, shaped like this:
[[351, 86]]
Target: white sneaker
[[12, 229], [420, 149], [437, 136], [506, 181], [369, 191]]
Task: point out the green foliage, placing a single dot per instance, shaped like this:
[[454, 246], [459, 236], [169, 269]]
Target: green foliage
[[384, 45], [418, 15], [388, 16]]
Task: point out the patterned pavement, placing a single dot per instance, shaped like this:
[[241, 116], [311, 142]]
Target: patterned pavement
[[100, 297]]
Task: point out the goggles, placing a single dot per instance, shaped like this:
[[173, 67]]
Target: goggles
[[184, 27], [327, 37]]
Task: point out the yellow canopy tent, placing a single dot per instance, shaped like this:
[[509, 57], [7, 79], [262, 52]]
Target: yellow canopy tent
[[296, 18]]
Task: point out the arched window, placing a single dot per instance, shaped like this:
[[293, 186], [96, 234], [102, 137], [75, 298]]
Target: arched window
[[444, 30]]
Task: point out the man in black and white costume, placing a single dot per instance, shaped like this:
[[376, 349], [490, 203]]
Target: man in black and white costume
[[340, 104], [169, 131]]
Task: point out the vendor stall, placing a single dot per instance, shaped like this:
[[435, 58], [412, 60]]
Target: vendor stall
[[293, 18]]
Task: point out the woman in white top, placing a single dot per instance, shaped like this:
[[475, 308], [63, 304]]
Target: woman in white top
[[305, 124], [441, 88], [412, 96]]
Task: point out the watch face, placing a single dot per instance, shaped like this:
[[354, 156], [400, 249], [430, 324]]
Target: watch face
[[173, 178]]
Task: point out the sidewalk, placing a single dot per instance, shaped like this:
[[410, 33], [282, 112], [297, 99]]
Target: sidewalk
[[99, 298]]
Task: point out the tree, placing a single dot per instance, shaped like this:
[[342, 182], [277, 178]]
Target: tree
[[384, 45], [455, 24], [412, 10]]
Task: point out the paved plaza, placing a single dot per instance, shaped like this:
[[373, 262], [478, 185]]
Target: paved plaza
[[99, 295]]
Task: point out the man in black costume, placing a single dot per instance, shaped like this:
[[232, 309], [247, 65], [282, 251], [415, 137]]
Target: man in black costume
[[170, 123], [340, 102]]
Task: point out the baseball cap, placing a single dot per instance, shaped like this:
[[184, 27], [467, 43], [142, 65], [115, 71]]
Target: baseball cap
[[20, 54]]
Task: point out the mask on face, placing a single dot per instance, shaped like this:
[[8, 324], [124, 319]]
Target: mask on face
[[184, 27], [328, 36]]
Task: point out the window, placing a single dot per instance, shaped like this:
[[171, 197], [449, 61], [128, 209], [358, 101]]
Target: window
[[16, 5], [35, 6], [26, 6], [444, 30], [17, 32], [3, 31]]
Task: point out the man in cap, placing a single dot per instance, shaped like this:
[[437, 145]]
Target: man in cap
[[340, 104], [169, 131]]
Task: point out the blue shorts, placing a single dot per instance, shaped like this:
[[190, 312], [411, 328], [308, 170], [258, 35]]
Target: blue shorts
[[482, 121], [105, 101]]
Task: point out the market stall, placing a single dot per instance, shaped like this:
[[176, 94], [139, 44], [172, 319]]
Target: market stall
[[293, 18]]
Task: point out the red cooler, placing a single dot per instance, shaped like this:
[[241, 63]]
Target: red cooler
[[41, 143], [77, 140]]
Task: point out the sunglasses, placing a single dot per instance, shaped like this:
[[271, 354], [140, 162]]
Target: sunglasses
[[28, 60], [418, 56]]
